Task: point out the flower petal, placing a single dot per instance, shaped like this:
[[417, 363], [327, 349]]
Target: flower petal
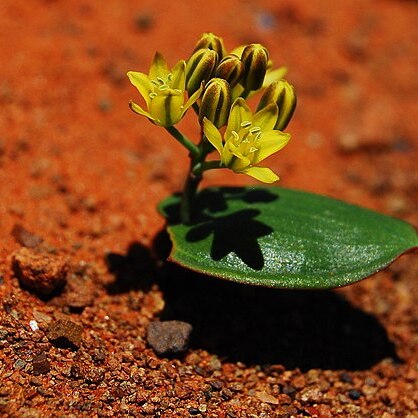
[[236, 91], [138, 109], [240, 163], [158, 67], [192, 99], [142, 83], [167, 108], [274, 75], [179, 76], [213, 135], [269, 143], [240, 112], [266, 118], [262, 174]]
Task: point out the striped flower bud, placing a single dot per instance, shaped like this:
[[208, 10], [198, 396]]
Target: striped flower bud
[[255, 59], [230, 69], [283, 94], [200, 67], [211, 41], [216, 102]]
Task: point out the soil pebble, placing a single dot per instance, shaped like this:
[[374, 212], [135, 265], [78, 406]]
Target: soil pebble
[[40, 272], [169, 337], [65, 333], [25, 237], [79, 293], [267, 398], [41, 364]]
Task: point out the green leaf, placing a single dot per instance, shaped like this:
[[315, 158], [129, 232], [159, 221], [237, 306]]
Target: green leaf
[[276, 237]]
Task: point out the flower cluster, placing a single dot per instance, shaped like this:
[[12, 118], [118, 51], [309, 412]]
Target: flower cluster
[[216, 84]]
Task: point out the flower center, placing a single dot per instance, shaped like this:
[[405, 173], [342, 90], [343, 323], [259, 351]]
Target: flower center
[[246, 140], [162, 86]]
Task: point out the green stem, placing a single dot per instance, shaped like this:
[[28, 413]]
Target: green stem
[[197, 166], [188, 197], [206, 165], [193, 149]]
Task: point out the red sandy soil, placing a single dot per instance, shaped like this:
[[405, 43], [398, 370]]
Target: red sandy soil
[[84, 174]]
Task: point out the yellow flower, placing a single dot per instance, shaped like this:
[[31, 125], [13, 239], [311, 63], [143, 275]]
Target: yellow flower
[[248, 140], [163, 91]]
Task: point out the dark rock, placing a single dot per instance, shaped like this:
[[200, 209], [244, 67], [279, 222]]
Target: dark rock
[[65, 333], [26, 238], [289, 390], [41, 364], [216, 385], [43, 273], [346, 378], [354, 394], [169, 337]]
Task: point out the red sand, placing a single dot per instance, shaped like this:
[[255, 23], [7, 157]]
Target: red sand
[[80, 170]]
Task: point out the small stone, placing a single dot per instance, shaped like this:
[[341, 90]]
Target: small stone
[[41, 364], [354, 394], [169, 337], [33, 325], [346, 378], [310, 394], [267, 398], [40, 272], [105, 105], [19, 364], [289, 390], [41, 317], [35, 381], [226, 394], [65, 333], [144, 21], [79, 293], [25, 238], [216, 385]]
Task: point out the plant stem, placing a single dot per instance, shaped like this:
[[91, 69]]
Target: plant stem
[[198, 165], [193, 149], [206, 165], [189, 195]]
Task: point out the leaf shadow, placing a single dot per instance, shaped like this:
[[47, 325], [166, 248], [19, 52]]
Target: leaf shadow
[[254, 325], [134, 270], [235, 233]]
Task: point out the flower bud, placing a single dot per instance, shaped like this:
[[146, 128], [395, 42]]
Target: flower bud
[[230, 69], [216, 102], [283, 94], [255, 59], [211, 41], [200, 67]]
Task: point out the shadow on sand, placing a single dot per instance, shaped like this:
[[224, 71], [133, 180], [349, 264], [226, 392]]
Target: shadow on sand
[[255, 325]]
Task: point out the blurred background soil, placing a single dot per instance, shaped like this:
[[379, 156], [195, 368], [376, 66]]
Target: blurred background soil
[[81, 175]]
